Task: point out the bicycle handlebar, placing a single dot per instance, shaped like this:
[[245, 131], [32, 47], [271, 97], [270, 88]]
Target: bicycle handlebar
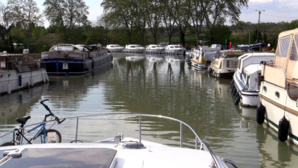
[[46, 107], [51, 114]]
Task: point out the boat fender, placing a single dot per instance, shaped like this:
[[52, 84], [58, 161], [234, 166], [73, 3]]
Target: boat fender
[[237, 100], [232, 84], [210, 70], [235, 92], [260, 114], [233, 88], [283, 128]]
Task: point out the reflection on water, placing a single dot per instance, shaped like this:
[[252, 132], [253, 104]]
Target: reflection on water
[[19, 103], [164, 85]]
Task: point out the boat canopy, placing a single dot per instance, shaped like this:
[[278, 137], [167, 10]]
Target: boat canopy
[[285, 66], [284, 69]]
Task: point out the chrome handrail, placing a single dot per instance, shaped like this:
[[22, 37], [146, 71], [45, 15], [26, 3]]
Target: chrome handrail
[[203, 146]]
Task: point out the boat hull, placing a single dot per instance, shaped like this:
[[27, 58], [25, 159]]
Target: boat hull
[[62, 67], [248, 97], [278, 104], [155, 51], [133, 50], [175, 52], [197, 65], [12, 80]]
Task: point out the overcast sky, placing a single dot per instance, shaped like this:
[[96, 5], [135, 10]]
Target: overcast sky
[[274, 10]]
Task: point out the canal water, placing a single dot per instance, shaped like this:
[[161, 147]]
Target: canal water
[[154, 84]]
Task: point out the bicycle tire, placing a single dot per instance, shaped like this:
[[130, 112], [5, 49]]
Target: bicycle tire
[[7, 144], [55, 133]]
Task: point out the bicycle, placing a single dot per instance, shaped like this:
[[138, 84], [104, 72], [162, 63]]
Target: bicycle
[[46, 135]]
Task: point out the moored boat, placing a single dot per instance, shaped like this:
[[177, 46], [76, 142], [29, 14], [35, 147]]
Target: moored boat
[[226, 64], [212, 52], [133, 48], [155, 49], [197, 59], [246, 79], [19, 71], [69, 59], [175, 49], [279, 90], [114, 47], [116, 152]]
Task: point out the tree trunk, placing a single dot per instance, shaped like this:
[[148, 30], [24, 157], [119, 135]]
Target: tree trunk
[[182, 38]]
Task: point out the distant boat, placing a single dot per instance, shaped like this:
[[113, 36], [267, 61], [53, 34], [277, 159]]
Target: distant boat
[[175, 49], [197, 59], [134, 48], [250, 47], [226, 64], [69, 59], [212, 52], [246, 79], [114, 47], [18, 71], [155, 49]]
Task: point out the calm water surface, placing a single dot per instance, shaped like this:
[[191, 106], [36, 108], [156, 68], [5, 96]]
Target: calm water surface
[[155, 85]]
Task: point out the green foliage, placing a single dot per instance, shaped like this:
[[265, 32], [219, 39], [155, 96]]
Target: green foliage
[[96, 35], [18, 35], [218, 34]]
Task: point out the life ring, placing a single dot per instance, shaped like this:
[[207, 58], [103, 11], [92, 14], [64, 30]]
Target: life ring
[[260, 114], [237, 100], [283, 128]]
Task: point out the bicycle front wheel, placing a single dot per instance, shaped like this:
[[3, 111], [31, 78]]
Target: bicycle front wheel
[[53, 136]]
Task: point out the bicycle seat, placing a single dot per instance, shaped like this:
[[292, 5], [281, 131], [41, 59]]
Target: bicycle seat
[[23, 120]]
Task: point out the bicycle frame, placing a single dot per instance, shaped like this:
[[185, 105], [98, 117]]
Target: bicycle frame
[[42, 138]]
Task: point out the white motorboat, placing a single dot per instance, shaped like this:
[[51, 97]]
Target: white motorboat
[[114, 47], [133, 48], [279, 90], [19, 71], [69, 59], [155, 49], [246, 79], [197, 59], [226, 64], [116, 152], [175, 49], [212, 52]]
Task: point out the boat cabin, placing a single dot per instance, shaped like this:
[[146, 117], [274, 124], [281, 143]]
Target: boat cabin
[[284, 70]]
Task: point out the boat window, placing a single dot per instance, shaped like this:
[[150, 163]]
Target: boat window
[[247, 82], [64, 157], [228, 63], [277, 94], [293, 55], [283, 46]]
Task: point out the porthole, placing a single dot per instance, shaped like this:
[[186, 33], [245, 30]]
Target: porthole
[[277, 94], [265, 88]]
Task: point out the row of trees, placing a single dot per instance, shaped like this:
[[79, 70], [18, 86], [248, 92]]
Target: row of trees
[[184, 15], [129, 21], [22, 22]]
